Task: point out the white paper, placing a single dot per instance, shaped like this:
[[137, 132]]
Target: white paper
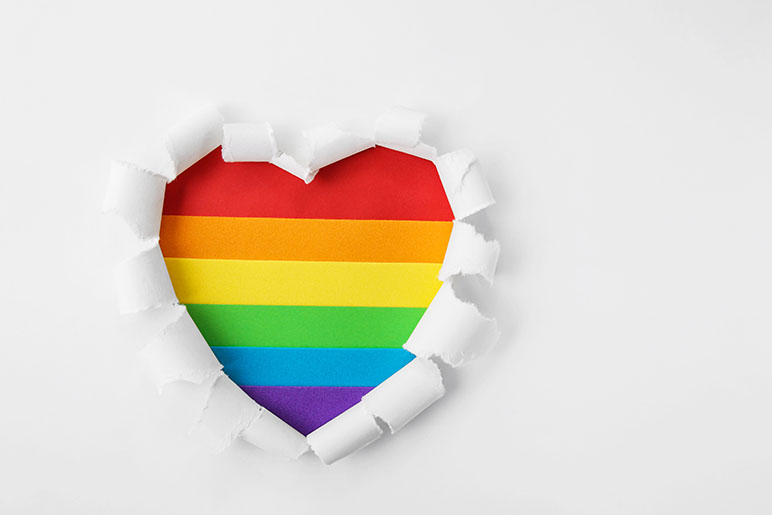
[[244, 142], [329, 144], [289, 164], [272, 434], [347, 433], [142, 282], [193, 138], [405, 394], [464, 184], [469, 253], [399, 126], [453, 330], [137, 197], [228, 413], [180, 353]]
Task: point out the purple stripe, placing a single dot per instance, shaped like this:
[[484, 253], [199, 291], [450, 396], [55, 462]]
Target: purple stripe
[[306, 407]]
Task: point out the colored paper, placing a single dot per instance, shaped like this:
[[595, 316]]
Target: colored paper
[[305, 326], [305, 283]]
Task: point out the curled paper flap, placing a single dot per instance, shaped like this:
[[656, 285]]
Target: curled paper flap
[[228, 412], [137, 197], [400, 127], [405, 394], [180, 353], [270, 433], [193, 138], [464, 184], [347, 433], [142, 282], [289, 164], [453, 330], [329, 144], [469, 253], [248, 142]]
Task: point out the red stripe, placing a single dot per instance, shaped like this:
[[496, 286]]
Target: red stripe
[[377, 184]]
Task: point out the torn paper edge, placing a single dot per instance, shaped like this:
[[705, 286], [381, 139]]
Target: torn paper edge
[[469, 253], [248, 142], [136, 196], [401, 397], [179, 352], [464, 183], [143, 282], [452, 330], [347, 433]]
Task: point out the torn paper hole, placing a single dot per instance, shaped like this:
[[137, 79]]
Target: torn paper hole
[[464, 184], [142, 282], [271, 434], [180, 353], [405, 394], [137, 197], [329, 144], [193, 138], [350, 431], [399, 126], [469, 253], [228, 413], [453, 330], [289, 164], [248, 142]]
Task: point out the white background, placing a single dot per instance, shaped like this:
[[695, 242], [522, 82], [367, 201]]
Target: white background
[[628, 145]]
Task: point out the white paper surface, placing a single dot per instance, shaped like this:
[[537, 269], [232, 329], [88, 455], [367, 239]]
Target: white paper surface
[[228, 413], [137, 197], [289, 164], [244, 142], [464, 184], [347, 433], [193, 138], [142, 282], [180, 353], [469, 253], [405, 394], [453, 330], [272, 434], [399, 126], [329, 144]]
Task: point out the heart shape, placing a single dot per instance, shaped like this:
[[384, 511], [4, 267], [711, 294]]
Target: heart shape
[[314, 296]]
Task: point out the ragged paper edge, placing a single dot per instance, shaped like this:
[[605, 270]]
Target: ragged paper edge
[[136, 196], [248, 142], [230, 413], [352, 430], [452, 330], [465, 186], [469, 253], [193, 138], [142, 282]]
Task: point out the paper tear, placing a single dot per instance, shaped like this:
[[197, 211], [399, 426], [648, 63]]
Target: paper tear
[[142, 282], [244, 142], [404, 395], [330, 144], [399, 126], [453, 330], [228, 413], [349, 432], [271, 434], [193, 138], [137, 197], [469, 253], [289, 164], [180, 353], [464, 184]]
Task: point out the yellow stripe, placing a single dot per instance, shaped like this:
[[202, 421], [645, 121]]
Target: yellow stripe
[[303, 283]]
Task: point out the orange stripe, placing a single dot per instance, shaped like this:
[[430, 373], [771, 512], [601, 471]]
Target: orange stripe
[[304, 239]]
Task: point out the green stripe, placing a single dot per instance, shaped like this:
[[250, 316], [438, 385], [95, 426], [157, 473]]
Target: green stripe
[[305, 326]]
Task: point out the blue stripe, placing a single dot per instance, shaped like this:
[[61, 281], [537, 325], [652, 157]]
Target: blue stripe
[[275, 366]]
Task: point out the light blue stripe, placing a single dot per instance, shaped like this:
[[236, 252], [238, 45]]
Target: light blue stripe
[[276, 366]]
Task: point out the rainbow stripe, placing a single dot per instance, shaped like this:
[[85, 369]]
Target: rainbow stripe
[[306, 293]]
